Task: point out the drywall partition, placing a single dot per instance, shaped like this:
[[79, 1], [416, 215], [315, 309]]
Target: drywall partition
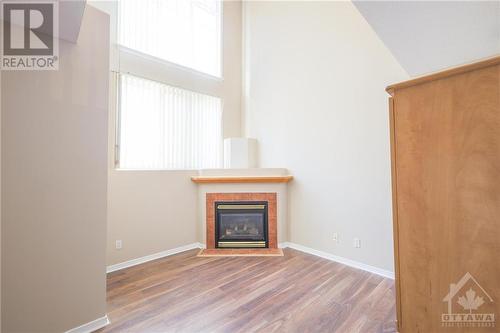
[[315, 75], [54, 172]]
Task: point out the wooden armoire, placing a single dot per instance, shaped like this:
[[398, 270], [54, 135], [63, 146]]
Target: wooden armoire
[[445, 145]]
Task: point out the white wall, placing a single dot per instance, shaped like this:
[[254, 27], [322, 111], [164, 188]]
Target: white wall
[[150, 212], [54, 179], [316, 74], [154, 211]]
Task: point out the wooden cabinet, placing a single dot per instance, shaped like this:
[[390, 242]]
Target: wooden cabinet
[[445, 143]]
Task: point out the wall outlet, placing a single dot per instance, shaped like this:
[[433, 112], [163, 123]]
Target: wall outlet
[[118, 244], [335, 237], [356, 243]]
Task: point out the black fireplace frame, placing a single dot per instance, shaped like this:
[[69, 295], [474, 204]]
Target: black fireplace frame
[[217, 219]]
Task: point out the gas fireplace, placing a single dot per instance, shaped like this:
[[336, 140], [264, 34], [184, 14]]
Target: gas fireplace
[[241, 224]]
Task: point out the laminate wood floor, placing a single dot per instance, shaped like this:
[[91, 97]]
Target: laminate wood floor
[[294, 293]]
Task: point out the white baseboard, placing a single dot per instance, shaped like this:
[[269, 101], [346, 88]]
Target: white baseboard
[[92, 326], [283, 245], [329, 256], [341, 260], [150, 257]]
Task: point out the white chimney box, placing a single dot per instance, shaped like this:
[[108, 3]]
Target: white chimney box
[[240, 153]]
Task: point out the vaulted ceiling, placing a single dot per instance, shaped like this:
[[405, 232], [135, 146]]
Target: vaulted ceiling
[[70, 19], [426, 36]]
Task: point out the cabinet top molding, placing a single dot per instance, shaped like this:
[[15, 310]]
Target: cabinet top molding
[[444, 73]]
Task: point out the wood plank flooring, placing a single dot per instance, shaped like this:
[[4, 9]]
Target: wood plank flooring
[[294, 293]]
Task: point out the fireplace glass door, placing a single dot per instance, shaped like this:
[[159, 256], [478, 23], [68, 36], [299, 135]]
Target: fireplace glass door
[[241, 224]]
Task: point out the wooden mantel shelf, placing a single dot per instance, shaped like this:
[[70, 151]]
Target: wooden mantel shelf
[[241, 179]]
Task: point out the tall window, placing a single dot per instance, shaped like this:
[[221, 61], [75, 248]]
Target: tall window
[[162, 126], [185, 32]]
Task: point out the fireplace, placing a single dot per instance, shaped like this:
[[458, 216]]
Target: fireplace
[[241, 224], [213, 218]]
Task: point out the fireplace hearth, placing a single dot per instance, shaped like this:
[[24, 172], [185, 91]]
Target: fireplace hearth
[[241, 224]]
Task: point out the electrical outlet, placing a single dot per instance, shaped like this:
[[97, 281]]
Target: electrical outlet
[[356, 243], [335, 237], [118, 244]]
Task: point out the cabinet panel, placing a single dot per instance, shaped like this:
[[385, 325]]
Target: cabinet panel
[[447, 182]]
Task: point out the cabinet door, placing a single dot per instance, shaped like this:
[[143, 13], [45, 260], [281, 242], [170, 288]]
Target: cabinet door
[[447, 170]]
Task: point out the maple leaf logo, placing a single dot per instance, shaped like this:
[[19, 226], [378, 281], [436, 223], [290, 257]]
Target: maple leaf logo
[[470, 301]]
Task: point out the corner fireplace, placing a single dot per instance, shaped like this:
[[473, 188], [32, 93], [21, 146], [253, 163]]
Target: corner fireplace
[[241, 224]]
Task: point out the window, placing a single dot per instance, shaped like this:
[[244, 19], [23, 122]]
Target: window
[[163, 127], [184, 32]]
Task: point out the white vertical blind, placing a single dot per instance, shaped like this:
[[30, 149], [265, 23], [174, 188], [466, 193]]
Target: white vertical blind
[[163, 127], [185, 32]]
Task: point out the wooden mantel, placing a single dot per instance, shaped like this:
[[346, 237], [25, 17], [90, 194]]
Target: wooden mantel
[[241, 179]]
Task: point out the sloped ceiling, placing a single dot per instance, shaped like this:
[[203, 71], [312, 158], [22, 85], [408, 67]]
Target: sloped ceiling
[[70, 19], [426, 36]]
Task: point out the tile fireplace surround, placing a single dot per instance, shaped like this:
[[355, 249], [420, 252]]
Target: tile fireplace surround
[[210, 209], [228, 185]]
